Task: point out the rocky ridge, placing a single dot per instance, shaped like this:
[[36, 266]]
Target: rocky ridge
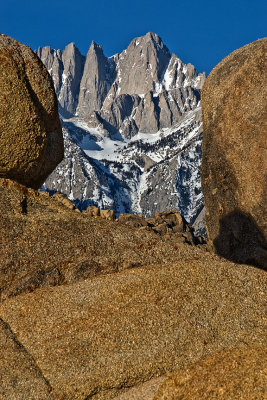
[[82, 245], [135, 119]]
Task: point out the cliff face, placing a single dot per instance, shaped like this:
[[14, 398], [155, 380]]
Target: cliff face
[[132, 126], [66, 70], [144, 88]]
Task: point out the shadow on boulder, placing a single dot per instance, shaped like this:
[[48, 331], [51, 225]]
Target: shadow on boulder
[[240, 240]]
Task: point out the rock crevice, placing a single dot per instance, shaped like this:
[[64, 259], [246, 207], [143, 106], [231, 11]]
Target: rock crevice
[[20, 374]]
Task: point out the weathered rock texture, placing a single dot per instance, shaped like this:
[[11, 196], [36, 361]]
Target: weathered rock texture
[[236, 374], [234, 162], [31, 142], [166, 306], [98, 336]]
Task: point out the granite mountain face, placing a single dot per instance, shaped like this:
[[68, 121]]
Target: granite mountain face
[[132, 126], [144, 88]]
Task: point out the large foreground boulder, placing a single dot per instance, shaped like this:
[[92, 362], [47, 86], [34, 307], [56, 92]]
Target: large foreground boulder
[[98, 337], [31, 142], [234, 154]]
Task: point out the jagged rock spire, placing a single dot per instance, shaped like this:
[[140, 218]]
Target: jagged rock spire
[[143, 88], [95, 83]]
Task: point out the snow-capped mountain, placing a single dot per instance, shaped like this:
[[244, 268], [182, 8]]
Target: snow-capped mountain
[[132, 128]]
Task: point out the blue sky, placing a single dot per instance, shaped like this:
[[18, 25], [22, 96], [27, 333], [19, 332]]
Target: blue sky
[[200, 32]]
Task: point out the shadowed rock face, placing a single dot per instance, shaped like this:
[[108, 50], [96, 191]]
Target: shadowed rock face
[[234, 154], [241, 239], [31, 142]]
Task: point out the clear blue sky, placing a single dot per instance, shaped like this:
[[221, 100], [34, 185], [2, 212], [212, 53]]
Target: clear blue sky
[[200, 32]]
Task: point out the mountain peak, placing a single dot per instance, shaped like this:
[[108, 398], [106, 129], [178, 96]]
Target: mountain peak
[[95, 47], [70, 51], [148, 38], [153, 36], [145, 66], [71, 45]]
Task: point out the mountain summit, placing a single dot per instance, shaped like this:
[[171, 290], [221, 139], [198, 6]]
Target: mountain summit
[[132, 125], [144, 88]]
